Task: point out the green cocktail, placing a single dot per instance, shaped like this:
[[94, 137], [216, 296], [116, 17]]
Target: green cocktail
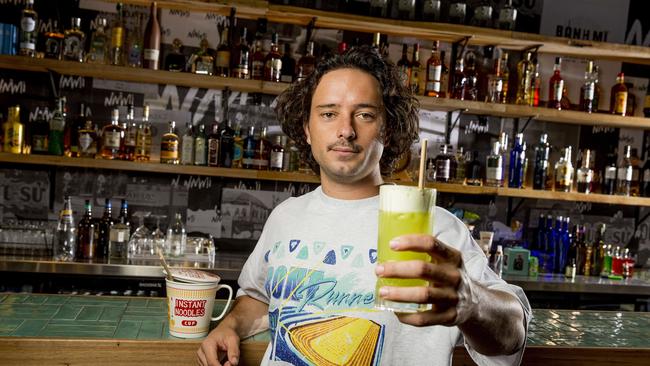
[[402, 210]]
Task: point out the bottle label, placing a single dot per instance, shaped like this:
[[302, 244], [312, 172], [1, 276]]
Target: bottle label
[[457, 9], [85, 140], [620, 106], [223, 59], [258, 69], [213, 152], [199, 151], [130, 137], [277, 159], [260, 163], [203, 66], [635, 175], [117, 36], [507, 15], [286, 78], [646, 175], [494, 173], [28, 45], [112, 139], [589, 91], [564, 175], [443, 169], [558, 88], [275, 66], [65, 214], [610, 172], [237, 153], [625, 173], [53, 47], [151, 54], [118, 235], [169, 150], [28, 24], [72, 47], [431, 7], [405, 5], [435, 73], [188, 150], [39, 143]]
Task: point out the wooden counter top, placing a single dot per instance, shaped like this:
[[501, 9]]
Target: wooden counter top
[[84, 330]]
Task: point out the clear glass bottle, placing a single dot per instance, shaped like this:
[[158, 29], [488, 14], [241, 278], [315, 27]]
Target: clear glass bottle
[[624, 174], [496, 84], [525, 72], [584, 175], [445, 164], [461, 165], [516, 171], [74, 42], [644, 176], [28, 30], [588, 90], [112, 140], [458, 89], [474, 171], [187, 145], [55, 145], [249, 149], [434, 72], [134, 46], [273, 61], [494, 167], [507, 16], [117, 54], [536, 86], [564, 172], [610, 173], [457, 12], [87, 140], [556, 86], [54, 42], [471, 79], [176, 239], [169, 145], [65, 240], [144, 137], [201, 147], [130, 134], [99, 42], [119, 234], [636, 173], [540, 170], [202, 62]]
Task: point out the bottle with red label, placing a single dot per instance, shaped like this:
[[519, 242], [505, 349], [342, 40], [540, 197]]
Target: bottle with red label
[[618, 96], [556, 86]]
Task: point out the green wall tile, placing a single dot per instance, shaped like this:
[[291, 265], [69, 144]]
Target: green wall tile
[[128, 329], [16, 298], [29, 328], [27, 311], [9, 325], [67, 312], [57, 300], [98, 300], [90, 313], [139, 303], [35, 299], [111, 314], [151, 330]]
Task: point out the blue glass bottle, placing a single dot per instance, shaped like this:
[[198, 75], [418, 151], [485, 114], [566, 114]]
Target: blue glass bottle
[[540, 170], [249, 149], [517, 162], [557, 247], [567, 240], [549, 246]]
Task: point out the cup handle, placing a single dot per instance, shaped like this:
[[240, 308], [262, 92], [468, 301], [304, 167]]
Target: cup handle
[[227, 303]]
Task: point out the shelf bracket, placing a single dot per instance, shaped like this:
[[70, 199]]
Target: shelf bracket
[[452, 125], [462, 43], [310, 31], [523, 129], [55, 90], [534, 48]]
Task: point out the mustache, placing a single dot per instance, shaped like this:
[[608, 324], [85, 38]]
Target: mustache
[[345, 144]]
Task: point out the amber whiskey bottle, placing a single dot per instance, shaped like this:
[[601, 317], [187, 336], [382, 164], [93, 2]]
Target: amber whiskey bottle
[[112, 137], [87, 246], [169, 145], [273, 62]]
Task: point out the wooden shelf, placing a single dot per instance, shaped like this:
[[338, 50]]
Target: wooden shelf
[[246, 9], [155, 167]]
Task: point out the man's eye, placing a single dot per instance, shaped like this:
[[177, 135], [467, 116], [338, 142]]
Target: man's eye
[[366, 116], [327, 115]]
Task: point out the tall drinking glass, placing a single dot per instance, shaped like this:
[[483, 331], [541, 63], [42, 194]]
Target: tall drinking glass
[[403, 210]]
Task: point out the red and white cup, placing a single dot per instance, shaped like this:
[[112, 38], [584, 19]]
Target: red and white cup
[[190, 304]]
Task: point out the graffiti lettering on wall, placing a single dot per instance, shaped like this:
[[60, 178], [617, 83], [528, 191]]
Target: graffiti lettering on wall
[[25, 194]]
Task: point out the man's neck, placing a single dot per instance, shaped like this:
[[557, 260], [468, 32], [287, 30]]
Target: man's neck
[[364, 188]]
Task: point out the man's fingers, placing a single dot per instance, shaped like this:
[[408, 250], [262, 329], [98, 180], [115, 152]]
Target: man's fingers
[[232, 349], [209, 351], [446, 317], [441, 298], [438, 274], [427, 243], [200, 358]]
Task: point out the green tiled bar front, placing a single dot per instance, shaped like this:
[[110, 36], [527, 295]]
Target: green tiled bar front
[[146, 318]]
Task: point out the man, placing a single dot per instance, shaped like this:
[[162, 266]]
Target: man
[[314, 268]]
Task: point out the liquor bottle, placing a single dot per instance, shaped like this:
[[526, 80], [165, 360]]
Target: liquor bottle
[[471, 80], [151, 52], [343, 48], [175, 60], [461, 164], [273, 61], [415, 73], [598, 88], [431, 10], [240, 57], [74, 42], [306, 63], [556, 86], [257, 62], [378, 8], [536, 86], [176, 239], [202, 62], [517, 159], [618, 96], [474, 171], [584, 175], [624, 174], [406, 9], [636, 173], [201, 147], [187, 145], [39, 134], [457, 12], [445, 164], [55, 145], [213, 145], [564, 172], [434, 72], [130, 134], [169, 149], [226, 136], [65, 241], [28, 30], [482, 15], [99, 41], [117, 54], [103, 229], [497, 84], [288, 71], [458, 89], [87, 140], [507, 16], [112, 140], [71, 133], [262, 151], [276, 158], [13, 132], [494, 167], [525, 72], [54, 42], [360, 7], [134, 43], [86, 236], [222, 62], [645, 178], [119, 233], [249, 149], [588, 90], [143, 137], [237, 148], [403, 66], [610, 174]]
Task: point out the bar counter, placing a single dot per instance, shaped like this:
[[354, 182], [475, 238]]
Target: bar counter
[[82, 330]]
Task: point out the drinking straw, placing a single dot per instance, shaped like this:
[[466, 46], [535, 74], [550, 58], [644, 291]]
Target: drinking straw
[[423, 162]]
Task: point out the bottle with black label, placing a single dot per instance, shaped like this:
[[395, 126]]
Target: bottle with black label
[[54, 42], [226, 136], [74, 42], [213, 146], [494, 167], [609, 174], [445, 163], [277, 154]]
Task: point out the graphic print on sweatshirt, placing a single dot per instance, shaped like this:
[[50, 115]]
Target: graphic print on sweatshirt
[[321, 304]]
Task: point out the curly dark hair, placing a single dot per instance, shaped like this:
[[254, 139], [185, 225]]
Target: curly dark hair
[[400, 105]]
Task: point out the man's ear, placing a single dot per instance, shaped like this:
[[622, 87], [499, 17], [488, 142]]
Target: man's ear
[[305, 127]]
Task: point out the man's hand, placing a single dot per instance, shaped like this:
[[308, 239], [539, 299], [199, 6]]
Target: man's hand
[[222, 344], [443, 273]]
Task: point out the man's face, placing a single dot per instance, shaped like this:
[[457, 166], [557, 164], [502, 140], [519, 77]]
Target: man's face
[[345, 124]]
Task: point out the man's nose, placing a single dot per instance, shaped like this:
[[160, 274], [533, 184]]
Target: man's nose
[[346, 128]]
